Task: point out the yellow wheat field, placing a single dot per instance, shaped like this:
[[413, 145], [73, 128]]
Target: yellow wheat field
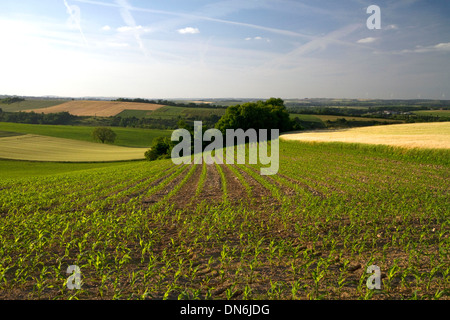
[[97, 108], [42, 148], [415, 135]]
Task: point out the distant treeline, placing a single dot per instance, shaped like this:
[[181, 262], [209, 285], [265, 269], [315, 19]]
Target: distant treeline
[[369, 103], [65, 118], [172, 103], [37, 118], [11, 100], [388, 112]]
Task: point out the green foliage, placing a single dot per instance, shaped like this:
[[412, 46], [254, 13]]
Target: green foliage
[[161, 149], [104, 135], [271, 114], [11, 100]]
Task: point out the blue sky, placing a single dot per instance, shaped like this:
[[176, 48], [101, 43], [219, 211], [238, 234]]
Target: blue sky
[[223, 49]]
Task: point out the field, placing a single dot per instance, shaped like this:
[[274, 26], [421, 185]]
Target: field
[[13, 169], [334, 118], [43, 148], [153, 230], [170, 112], [30, 104], [96, 108], [434, 113], [416, 135], [126, 137]]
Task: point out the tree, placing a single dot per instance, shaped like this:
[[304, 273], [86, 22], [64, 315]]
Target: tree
[[104, 135], [271, 114], [161, 149]]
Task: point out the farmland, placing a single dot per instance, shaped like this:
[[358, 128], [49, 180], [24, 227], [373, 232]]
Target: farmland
[[416, 135], [153, 230], [33, 104], [96, 108], [127, 137], [43, 148], [170, 112]]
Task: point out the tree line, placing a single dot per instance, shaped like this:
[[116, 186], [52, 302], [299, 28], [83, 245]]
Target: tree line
[[172, 103]]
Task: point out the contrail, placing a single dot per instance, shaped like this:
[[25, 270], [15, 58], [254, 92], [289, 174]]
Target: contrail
[[74, 19], [129, 20], [199, 17]]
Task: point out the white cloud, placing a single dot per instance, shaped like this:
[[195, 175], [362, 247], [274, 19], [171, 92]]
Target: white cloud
[[367, 40], [188, 30], [138, 29], [445, 46], [106, 28], [391, 27], [257, 38]]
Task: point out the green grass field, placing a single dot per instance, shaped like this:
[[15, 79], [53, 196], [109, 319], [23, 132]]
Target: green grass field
[[434, 113], [169, 112], [153, 230], [30, 104], [127, 137], [13, 169], [44, 148]]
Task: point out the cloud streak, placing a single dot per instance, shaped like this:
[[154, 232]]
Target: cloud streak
[[74, 20], [131, 23]]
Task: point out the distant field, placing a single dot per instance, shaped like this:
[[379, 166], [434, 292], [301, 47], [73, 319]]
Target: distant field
[[43, 148], [415, 135], [169, 112], [305, 117], [98, 108], [434, 113], [334, 118], [127, 137], [30, 104]]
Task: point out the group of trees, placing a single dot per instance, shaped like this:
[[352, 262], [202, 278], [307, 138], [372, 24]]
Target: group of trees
[[37, 118], [270, 114], [11, 100], [172, 103]]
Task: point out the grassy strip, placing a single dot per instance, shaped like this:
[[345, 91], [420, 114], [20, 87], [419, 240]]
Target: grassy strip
[[429, 156]]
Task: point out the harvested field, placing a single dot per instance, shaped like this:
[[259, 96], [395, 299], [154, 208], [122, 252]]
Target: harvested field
[[97, 108], [415, 135]]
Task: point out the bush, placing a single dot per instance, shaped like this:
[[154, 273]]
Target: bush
[[161, 149]]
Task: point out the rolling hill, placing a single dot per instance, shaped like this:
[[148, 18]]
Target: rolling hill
[[97, 108], [415, 135], [43, 148]]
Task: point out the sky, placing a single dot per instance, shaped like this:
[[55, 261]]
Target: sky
[[168, 49]]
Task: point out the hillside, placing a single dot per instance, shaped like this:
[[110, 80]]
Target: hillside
[[43, 148], [153, 230], [414, 135], [97, 108]]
